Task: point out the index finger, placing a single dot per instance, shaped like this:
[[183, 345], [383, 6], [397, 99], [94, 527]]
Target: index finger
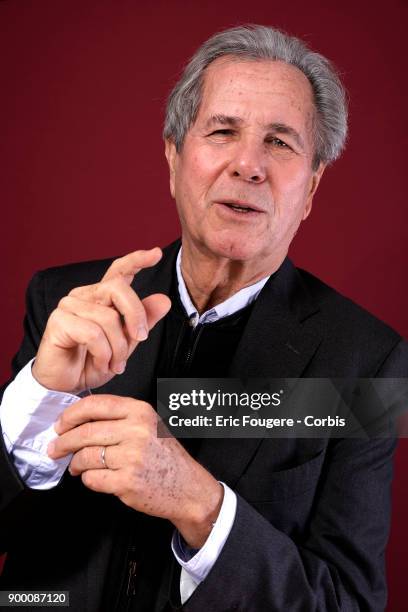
[[92, 408], [131, 264]]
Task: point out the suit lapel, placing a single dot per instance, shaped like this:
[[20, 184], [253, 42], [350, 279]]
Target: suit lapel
[[280, 338], [281, 335]]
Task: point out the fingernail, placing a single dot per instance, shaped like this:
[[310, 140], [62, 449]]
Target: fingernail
[[51, 448], [121, 367], [141, 333]]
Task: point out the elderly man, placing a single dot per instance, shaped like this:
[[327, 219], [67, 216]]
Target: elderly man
[[94, 502]]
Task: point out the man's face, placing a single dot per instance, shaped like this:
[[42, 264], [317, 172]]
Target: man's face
[[251, 147]]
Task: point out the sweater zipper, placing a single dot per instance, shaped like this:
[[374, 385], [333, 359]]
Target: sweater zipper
[[131, 572], [193, 345], [128, 583]]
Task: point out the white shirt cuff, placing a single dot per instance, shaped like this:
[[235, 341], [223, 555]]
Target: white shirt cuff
[[28, 412], [196, 568]]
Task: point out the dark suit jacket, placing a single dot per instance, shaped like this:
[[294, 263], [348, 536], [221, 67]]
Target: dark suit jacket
[[313, 515]]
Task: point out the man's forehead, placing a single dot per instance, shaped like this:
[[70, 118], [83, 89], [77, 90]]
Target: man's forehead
[[230, 82], [232, 66]]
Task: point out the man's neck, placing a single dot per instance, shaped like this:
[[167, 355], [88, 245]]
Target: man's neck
[[211, 280]]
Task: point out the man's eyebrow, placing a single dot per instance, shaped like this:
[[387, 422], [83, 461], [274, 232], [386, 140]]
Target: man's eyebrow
[[282, 128], [223, 120]]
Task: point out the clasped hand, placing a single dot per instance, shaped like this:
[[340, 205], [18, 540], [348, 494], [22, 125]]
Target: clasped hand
[[151, 474]]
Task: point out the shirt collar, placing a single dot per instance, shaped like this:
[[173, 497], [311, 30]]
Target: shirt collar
[[235, 302]]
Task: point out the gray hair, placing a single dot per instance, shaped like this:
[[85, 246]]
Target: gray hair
[[257, 43]]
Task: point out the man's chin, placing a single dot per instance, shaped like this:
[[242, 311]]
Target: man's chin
[[235, 250]]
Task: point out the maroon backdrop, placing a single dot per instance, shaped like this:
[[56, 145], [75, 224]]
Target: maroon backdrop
[[82, 92]]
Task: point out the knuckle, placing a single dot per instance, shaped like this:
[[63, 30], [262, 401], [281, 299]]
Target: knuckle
[[85, 432], [94, 333], [132, 456], [145, 407], [54, 317], [74, 466], [64, 302], [88, 400], [146, 414], [145, 443], [115, 263], [86, 456], [118, 282], [146, 429], [121, 265], [108, 284], [109, 403], [77, 291], [134, 429], [87, 478], [118, 264], [108, 435], [64, 421]]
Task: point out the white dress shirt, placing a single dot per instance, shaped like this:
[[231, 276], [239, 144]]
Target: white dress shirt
[[28, 412]]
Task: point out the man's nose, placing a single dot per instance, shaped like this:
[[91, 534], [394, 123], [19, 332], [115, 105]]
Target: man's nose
[[248, 163]]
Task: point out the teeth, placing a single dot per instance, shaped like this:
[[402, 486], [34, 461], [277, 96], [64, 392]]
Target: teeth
[[239, 208]]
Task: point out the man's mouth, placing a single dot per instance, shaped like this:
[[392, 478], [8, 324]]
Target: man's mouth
[[240, 207]]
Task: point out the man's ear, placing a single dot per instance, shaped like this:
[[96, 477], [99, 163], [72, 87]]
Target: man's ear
[[314, 183], [171, 155]]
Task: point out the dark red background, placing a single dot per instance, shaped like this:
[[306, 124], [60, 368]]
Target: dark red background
[[82, 92]]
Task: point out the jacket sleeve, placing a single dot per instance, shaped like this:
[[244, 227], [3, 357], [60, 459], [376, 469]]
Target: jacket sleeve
[[338, 564], [11, 485]]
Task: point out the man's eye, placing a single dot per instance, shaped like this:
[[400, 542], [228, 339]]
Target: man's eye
[[277, 142], [225, 132]]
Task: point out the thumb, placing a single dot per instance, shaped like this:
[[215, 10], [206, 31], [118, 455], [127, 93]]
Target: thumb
[[156, 307]]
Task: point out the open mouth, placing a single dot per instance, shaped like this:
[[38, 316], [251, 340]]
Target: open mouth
[[242, 209], [239, 208]]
